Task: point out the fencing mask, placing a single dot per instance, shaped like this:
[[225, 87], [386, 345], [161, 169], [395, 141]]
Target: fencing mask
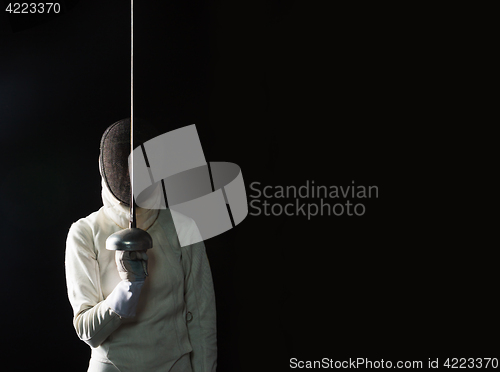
[[114, 153]]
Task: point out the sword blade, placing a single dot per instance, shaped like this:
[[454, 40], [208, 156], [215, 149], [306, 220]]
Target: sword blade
[[133, 222]]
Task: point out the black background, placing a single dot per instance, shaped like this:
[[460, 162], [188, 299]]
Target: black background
[[291, 91]]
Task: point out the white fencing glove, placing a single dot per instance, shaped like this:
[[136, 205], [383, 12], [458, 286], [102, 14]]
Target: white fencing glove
[[133, 268], [132, 265]]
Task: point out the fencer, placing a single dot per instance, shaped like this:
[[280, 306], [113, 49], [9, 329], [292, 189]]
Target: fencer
[[142, 311]]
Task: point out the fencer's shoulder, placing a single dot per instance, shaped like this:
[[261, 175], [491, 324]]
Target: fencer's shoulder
[[85, 225], [182, 220], [186, 228]]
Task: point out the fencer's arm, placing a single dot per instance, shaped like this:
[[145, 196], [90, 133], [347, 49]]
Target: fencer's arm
[[200, 301], [94, 320], [132, 268]]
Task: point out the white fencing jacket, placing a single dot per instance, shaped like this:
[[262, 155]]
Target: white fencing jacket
[[176, 309]]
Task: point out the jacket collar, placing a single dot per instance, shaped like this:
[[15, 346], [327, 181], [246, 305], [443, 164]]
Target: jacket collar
[[119, 213]]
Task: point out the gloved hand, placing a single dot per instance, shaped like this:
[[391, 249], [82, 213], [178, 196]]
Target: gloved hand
[[132, 265], [133, 269]]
